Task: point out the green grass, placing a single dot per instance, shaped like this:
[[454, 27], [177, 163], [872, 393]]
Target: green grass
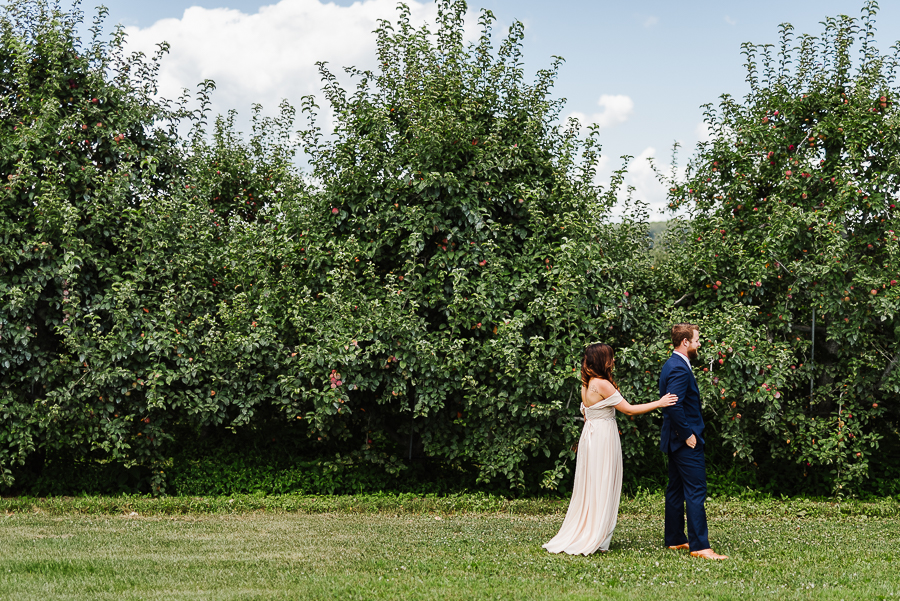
[[406, 547]]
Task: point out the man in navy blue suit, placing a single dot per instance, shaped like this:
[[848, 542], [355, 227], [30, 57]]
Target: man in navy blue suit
[[682, 440]]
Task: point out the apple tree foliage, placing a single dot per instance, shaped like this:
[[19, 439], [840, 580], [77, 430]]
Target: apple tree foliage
[[84, 148], [793, 207], [456, 259], [427, 288], [124, 250], [434, 291]]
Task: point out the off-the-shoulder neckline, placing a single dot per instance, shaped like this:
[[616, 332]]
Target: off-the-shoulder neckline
[[601, 400]]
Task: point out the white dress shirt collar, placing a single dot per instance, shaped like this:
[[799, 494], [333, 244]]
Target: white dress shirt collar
[[683, 356]]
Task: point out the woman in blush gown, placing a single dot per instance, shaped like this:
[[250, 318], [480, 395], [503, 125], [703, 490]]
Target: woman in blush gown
[[594, 507]]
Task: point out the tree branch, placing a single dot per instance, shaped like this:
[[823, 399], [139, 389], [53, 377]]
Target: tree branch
[[689, 294], [888, 370]]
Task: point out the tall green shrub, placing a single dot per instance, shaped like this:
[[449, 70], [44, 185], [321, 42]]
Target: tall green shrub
[[793, 208], [82, 147], [455, 260]]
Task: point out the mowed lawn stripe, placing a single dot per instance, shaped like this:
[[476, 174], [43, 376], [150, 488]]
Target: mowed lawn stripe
[[374, 556]]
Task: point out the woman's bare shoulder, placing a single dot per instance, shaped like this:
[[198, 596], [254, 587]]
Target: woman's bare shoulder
[[602, 388]]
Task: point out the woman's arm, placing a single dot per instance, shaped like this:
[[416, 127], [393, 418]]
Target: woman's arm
[[629, 409]]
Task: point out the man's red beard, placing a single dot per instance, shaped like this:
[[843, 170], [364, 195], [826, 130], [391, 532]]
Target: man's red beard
[[692, 354]]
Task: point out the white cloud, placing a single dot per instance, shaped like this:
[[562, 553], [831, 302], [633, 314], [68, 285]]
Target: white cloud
[[616, 109], [730, 21], [650, 21], [603, 165], [703, 132], [647, 187], [270, 55]]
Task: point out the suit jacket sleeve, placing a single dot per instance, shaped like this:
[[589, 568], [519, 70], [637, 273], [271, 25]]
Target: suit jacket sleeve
[[677, 383]]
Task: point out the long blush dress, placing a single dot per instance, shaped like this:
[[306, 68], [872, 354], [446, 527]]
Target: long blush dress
[[594, 507]]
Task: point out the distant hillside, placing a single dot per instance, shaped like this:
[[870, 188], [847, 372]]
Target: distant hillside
[[656, 230]]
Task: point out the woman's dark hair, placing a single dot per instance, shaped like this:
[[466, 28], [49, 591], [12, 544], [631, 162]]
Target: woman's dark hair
[[597, 363]]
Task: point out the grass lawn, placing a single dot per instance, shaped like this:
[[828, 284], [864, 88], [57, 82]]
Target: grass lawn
[[409, 548]]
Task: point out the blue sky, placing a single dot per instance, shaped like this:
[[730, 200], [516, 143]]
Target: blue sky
[[652, 63]]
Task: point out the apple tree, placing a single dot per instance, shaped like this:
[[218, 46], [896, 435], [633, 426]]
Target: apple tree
[[794, 224], [456, 258]]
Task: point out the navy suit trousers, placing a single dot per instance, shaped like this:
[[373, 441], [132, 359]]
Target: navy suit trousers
[[686, 494]]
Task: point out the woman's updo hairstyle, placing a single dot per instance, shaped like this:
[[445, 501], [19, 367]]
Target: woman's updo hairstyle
[[597, 363]]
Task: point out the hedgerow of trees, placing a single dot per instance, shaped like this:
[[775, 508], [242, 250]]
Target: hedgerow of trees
[[425, 290]]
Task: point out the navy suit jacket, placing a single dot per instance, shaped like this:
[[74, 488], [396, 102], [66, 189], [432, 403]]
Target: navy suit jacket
[[683, 418]]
